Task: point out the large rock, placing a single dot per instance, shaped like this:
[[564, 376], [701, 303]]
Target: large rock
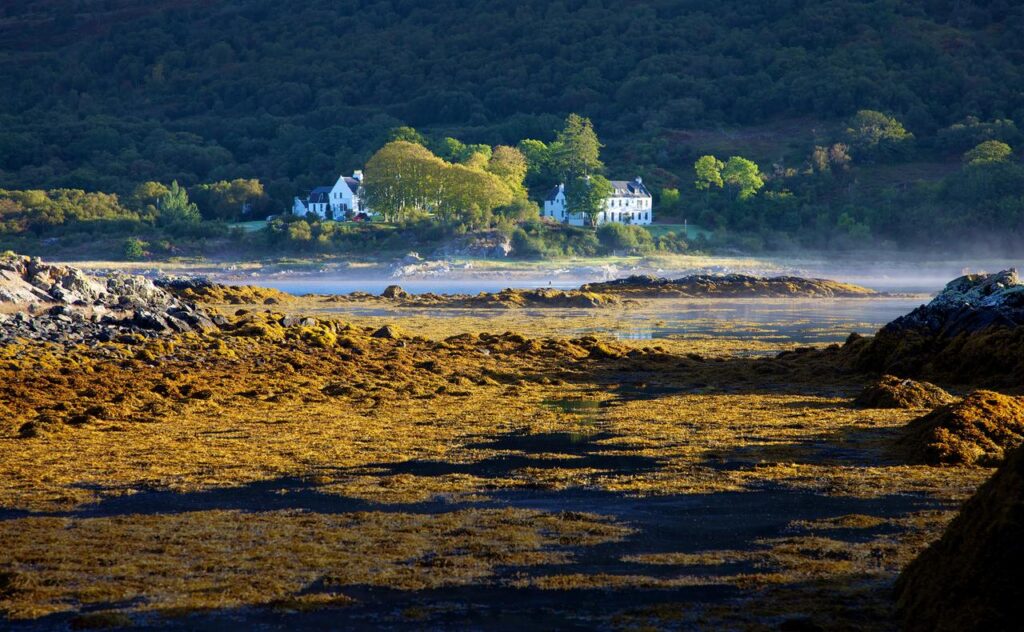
[[970, 580], [972, 332], [976, 431], [63, 304]]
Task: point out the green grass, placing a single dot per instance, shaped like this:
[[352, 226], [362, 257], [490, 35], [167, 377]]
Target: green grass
[[691, 231], [249, 227]]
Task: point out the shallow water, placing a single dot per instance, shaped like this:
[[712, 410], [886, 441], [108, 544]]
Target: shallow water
[[800, 321]]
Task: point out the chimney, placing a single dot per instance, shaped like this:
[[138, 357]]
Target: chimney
[[357, 175], [639, 180], [561, 186]]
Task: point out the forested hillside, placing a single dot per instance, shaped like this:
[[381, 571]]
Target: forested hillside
[[105, 94]]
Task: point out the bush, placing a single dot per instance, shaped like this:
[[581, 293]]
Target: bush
[[623, 237], [133, 249]]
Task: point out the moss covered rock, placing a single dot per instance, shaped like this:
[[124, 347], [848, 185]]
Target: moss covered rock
[[894, 392], [976, 431], [971, 578]]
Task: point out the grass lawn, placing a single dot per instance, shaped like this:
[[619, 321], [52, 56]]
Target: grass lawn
[[692, 232]]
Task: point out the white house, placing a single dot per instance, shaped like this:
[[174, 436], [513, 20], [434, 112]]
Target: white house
[[630, 203], [343, 200]]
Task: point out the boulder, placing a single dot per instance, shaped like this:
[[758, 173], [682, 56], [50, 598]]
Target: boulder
[[388, 332], [394, 292], [893, 392], [976, 431], [971, 332]]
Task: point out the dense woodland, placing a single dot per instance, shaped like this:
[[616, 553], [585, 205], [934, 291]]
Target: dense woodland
[[856, 117]]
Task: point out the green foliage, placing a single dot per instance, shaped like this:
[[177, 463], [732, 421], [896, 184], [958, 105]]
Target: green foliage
[[709, 173], [972, 131], [407, 134], [133, 249], [622, 238], [509, 164], [404, 179], [576, 151], [669, 199], [230, 200], [988, 152], [101, 99], [300, 231], [174, 207], [587, 195], [744, 176], [876, 135]]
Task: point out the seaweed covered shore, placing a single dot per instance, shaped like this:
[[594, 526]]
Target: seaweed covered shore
[[298, 470]]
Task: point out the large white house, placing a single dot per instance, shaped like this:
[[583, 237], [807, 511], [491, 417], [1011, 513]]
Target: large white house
[[630, 203], [343, 200]]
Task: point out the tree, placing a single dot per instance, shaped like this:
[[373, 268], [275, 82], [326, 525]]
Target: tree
[[300, 231], [228, 200], [407, 134], [669, 199], [402, 177], [148, 193], [174, 207], [539, 161], [587, 195], [988, 152], [618, 237], [877, 135], [133, 249], [743, 175], [509, 164], [578, 151], [709, 173]]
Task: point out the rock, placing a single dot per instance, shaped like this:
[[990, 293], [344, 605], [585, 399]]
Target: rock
[[727, 285], [975, 431], [394, 291], [972, 332], [970, 580], [64, 305], [894, 392], [389, 332]]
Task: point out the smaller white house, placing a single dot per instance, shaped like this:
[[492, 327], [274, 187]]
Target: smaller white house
[[630, 203], [341, 201]]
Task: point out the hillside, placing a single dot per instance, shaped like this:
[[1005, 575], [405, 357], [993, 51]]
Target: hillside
[[110, 93]]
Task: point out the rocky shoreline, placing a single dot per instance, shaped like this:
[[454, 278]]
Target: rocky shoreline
[[61, 304]]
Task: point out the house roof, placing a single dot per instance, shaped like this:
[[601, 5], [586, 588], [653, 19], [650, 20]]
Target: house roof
[[553, 194], [353, 184], [320, 194], [630, 188]]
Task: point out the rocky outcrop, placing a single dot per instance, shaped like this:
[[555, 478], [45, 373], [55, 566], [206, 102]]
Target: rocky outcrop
[[727, 286], [58, 303], [394, 291], [976, 431], [971, 333], [894, 392], [204, 290], [970, 579]]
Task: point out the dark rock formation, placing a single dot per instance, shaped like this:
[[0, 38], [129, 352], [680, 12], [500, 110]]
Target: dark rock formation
[[894, 392], [725, 286], [970, 580], [975, 431], [972, 332], [394, 291], [62, 304]]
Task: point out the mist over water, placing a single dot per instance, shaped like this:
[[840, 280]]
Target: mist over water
[[883, 273]]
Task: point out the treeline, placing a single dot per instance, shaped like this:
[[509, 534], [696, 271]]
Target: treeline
[[100, 98], [872, 183]]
